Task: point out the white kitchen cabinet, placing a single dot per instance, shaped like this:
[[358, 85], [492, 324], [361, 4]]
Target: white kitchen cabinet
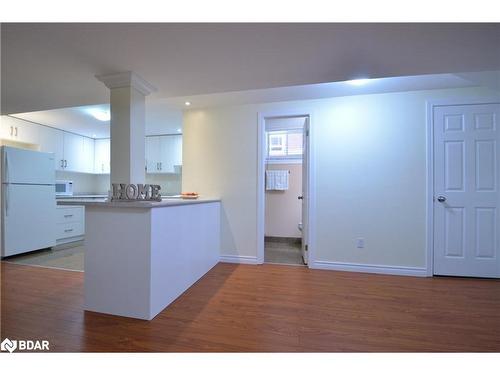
[[163, 153], [88, 155], [73, 152], [18, 130], [52, 140], [153, 154], [102, 156], [74, 159], [70, 224], [177, 151], [170, 153]]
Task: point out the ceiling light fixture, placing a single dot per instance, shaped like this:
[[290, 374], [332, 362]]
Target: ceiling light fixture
[[187, 104], [100, 114], [358, 82]]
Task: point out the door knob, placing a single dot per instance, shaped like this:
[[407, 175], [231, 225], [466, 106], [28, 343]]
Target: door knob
[[300, 197], [441, 199]]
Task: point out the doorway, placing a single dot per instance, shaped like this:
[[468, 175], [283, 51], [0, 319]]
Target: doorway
[[465, 182], [283, 188]]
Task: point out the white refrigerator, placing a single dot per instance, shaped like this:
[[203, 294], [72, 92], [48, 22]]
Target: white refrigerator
[[28, 200]]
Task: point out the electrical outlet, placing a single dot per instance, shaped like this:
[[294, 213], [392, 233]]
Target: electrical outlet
[[360, 243]]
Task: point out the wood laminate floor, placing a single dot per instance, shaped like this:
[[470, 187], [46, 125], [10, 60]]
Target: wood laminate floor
[[267, 308]]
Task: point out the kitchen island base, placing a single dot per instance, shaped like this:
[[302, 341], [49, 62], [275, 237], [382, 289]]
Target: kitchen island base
[[140, 259]]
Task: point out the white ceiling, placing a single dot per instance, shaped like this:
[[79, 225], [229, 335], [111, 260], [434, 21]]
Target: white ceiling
[[164, 116], [46, 66], [489, 79]]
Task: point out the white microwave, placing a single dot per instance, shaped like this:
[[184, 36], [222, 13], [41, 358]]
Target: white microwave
[[64, 188]]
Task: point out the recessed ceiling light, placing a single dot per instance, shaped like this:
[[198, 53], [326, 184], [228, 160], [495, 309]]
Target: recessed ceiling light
[[187, 104], [178, 130], [100, 114], [358, 82]]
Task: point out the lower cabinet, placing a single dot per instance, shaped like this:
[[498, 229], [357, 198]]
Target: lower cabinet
[[70, 224]]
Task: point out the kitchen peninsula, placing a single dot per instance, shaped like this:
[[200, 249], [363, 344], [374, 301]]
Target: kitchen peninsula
[[140, 256]]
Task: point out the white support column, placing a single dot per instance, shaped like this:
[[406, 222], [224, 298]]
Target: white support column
[[128, 99]]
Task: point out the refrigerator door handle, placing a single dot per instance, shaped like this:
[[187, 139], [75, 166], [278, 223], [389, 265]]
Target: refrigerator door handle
[[6, 157], [7, 199]]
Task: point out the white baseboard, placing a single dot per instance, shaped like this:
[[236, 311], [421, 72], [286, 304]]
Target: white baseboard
[[368, 268], [241, 259]]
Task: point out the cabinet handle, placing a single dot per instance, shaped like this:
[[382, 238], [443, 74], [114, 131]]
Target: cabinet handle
[[16, 131], [102, 167], [69, 215], [68, 230], [11, 130], [65, 163], [161, 166]]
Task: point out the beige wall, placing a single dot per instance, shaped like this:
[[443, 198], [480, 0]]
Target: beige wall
[[370, 167], [283, 209]]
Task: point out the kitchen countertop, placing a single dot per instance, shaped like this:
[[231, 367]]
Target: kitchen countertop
[[166, 202], [82, 196]]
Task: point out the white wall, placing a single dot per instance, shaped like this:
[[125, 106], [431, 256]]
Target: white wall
[[85, 183], [370, 154]]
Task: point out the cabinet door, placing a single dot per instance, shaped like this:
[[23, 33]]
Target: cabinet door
[[52, 140], [170, 153], [177, 151], [166, 149], [73, 152], [25, 131], [102, 156], [19, 130], [7, 128], [88, 155], [153, 154]]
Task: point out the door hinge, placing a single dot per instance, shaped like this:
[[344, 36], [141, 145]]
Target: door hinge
[[307, 133], [306, 247]]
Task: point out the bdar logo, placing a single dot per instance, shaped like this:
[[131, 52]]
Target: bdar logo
[[9, 345], [24, 345]]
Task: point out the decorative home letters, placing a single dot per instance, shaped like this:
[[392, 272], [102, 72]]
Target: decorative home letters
[[139, 192]]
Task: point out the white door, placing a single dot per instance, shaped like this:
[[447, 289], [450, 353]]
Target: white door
[[305, 192], [466, 183], [88, 155], [152, 154], [52, 140], [102, 155], [166, 154], [19, 130], [74, 159], [177, 151], [28, 218]]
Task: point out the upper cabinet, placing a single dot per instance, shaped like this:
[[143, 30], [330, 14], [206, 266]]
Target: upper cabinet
[[102, 156], [18, 130], [153, 154], [88, 155], [163, 153], [77, 153], [73, 152], [52, 140]]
